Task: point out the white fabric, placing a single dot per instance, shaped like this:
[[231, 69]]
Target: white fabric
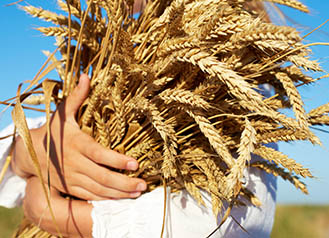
[[142, 217], [12, 188]]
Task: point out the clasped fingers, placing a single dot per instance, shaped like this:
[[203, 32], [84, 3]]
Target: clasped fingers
[[110, 184]]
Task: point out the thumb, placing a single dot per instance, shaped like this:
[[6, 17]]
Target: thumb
[[79, 94]]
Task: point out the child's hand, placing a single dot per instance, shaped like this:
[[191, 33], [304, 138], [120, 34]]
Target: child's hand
[[73, 217], [77, 162]]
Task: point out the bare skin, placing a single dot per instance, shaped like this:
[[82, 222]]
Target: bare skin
[[73, 217], [76, 168], [77, 161], [80, 163]]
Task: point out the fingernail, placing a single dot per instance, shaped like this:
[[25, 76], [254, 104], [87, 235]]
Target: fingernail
[[141, 187], [135, 194], [132, 165]]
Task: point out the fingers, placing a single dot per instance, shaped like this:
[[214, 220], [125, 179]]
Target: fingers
[[97, 153], [95, 191], [111, 180], [80, 155], [87, 188], [82, 193], [78, 95]]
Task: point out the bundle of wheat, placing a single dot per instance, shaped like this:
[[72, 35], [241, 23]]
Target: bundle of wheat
[[180, 89]]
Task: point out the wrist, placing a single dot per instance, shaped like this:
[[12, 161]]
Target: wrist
[[18, 162], [22, 163]]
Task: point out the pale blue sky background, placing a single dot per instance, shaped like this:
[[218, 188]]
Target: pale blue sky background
[[21, 58]]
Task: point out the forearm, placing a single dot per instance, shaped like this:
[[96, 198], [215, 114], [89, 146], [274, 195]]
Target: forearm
[[73, 217], [83, 225]]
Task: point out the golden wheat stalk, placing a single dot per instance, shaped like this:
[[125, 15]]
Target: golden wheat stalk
[[179, 88]]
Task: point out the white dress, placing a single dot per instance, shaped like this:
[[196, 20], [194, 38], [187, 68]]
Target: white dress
[[142, 217]]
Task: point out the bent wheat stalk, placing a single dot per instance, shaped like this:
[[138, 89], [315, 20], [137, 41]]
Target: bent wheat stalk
[[181, 88]]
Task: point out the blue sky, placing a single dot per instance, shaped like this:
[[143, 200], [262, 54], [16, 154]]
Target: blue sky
[[21, 58]]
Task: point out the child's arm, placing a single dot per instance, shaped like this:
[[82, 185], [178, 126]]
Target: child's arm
[[143, 217], [73, 217]]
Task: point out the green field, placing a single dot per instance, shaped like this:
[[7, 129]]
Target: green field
[[301, 222], [290, 221], [9, 218]]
